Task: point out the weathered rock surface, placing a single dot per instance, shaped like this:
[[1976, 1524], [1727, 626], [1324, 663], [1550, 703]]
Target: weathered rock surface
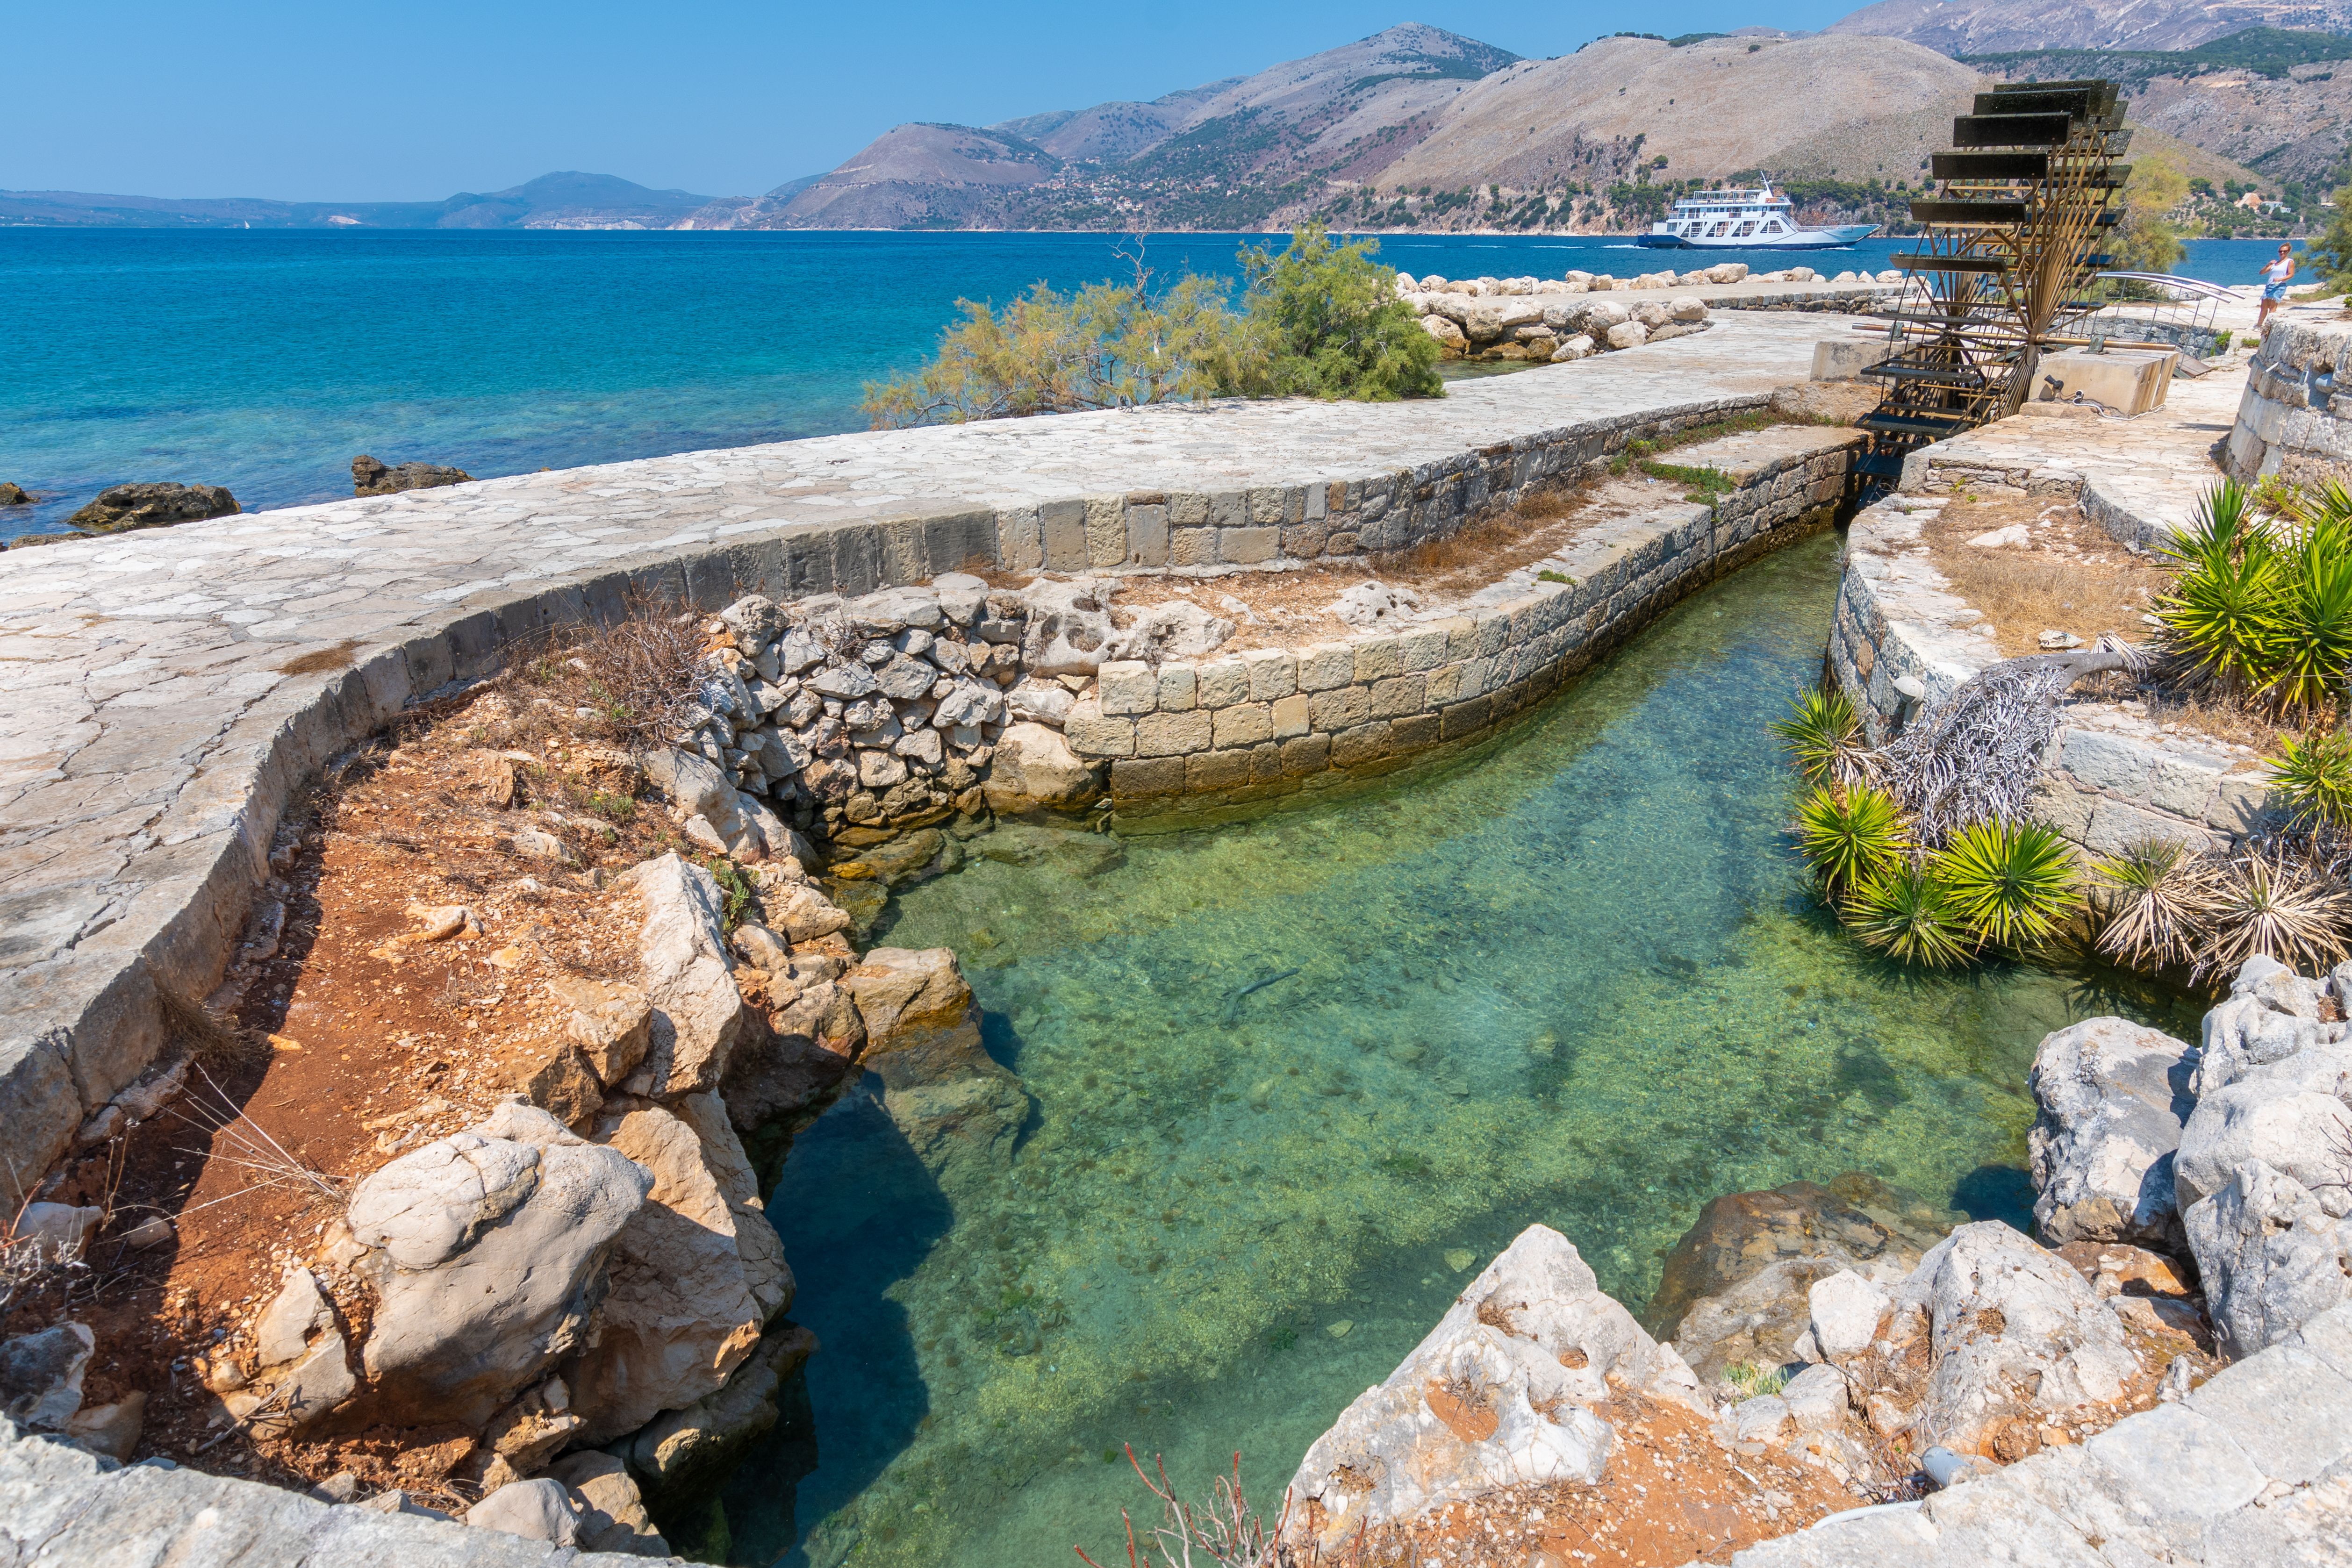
[[61, 1505], [2253, 1466], [41, 1374], [611, 1024], [2016, 1335], [698, 1011], [808, 1047], [487, 1253], [1501, 1392], [536, 1509], [370, 478], [122, 507], [2271, 1257], [2113, 1097], [695, 1276], [958, 1109]]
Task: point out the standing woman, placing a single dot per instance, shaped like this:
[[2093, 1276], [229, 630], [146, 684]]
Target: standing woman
[[2274, 278]]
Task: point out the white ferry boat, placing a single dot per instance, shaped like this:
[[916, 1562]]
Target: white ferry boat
[[1744, 220]]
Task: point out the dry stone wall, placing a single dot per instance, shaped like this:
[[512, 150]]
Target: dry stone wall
[[2288, 419]]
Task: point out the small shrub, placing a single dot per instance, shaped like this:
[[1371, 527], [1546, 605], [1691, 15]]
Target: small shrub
[[2272, 905], [2010, 883], [735, 886], [1548, 575], [2314, 776], [1851, 836], [1329, 322], [2223, 609], [1753, 1379], [2155, 893]]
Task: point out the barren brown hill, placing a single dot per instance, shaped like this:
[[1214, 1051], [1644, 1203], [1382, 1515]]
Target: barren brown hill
[[1709, 109], [1993, 27], [916, 174]]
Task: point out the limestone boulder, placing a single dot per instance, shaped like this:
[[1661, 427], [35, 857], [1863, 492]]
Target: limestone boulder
[[682, 1457], [1069, 623], [1502, 1392], [1048, 703], [696, 1274], [799, 912], [699, 791], [122, 507], [537, 1510], [957, 1108], [1490, 321], [2271, 1256], [610, 1024], [2111, 1097], [1686, 308], [811, 1044], [613, 1516], [697, 1010], [1628, 335], [1035, 769], [1177, 630], [2015, 1335], [1447, 332], [370, 478], [485, 1252]]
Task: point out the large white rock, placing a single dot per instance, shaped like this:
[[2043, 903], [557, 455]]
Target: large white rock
[[698, 789], [1447, 332], [1069, 622], [2014, 1328], [2112, 1096], [1500, 1393], [1490, 320], [1628, 335], [1034, 768], [487, 1253], [2270, 1256], [613, 1516], [536, 1510], [695, 1275], [1846, 1308], [2285, 1114], [1178, 629], [699, 1013]]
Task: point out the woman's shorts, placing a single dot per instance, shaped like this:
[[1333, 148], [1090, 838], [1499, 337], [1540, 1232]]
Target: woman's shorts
[[2274, 291]]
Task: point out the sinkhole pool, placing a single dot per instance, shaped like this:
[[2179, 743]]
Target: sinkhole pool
[[1574, 977]]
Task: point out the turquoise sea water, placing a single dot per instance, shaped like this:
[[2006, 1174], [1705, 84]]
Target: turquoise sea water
[[266, 360], [1575, 978]]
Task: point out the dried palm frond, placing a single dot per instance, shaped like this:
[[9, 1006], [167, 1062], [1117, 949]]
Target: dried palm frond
[[2272, 904], [2157, 893]]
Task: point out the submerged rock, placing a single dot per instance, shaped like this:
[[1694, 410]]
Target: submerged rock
[[122, 507], [958, 1110], [1500, 1393], [370, 478]]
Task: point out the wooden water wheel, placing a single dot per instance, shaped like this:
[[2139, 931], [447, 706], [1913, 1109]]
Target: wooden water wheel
[[2015, 225]]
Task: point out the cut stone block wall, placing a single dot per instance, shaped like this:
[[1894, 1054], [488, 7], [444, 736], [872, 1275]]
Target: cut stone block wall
[[1189, 739], [2289, 418]]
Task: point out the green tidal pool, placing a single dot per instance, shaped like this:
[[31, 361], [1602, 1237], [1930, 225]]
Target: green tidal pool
[[1573, 977]]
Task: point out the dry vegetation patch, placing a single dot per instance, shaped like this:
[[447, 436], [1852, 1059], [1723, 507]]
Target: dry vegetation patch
[[363, 1021], [2066, 574]]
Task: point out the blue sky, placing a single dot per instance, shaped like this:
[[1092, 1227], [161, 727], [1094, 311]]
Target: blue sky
[[414, 101]]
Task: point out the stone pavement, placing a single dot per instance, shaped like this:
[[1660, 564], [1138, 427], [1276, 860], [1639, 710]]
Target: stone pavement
[[166, 690], [2139, 477]]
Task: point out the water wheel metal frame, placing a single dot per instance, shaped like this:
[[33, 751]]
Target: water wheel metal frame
[[2020, 208]]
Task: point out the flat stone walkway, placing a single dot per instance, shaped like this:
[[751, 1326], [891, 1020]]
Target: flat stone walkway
[[165, 689]]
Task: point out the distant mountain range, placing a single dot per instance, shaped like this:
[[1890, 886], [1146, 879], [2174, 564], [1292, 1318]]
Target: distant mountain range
[[1418, 127], [564, 200]]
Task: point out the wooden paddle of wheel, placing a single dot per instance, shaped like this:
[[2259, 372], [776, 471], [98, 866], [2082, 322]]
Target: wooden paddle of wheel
[[2013, 232]]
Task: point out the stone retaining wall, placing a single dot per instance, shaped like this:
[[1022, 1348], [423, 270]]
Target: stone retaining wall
[[2289, 418], [2111, 776], [1189, 738]]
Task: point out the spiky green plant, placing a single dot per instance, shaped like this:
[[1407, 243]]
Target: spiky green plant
[[2010, 881], [1851, 836], [1908, 914], [2309, 646], [2225, 609], [1755, 1377], [2155, 893], [2314, 776], [1823, 735]]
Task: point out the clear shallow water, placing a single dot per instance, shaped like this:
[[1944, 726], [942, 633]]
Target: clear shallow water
[[266, 360], [1573, 979]]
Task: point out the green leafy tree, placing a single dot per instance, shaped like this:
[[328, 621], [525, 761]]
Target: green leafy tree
[[2146, 241], [1324, 320], [2330, 255]]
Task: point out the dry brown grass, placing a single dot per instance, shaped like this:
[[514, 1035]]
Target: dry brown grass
[[2073, 579], [636, 675]]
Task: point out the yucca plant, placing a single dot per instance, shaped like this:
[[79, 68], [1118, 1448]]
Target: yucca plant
[[2156, 892], [2309, 645], [1908, 914], [2010, 881], [2314, 775], [1823, 735], [1851, 836], [2225, 609], [2273, 906]]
